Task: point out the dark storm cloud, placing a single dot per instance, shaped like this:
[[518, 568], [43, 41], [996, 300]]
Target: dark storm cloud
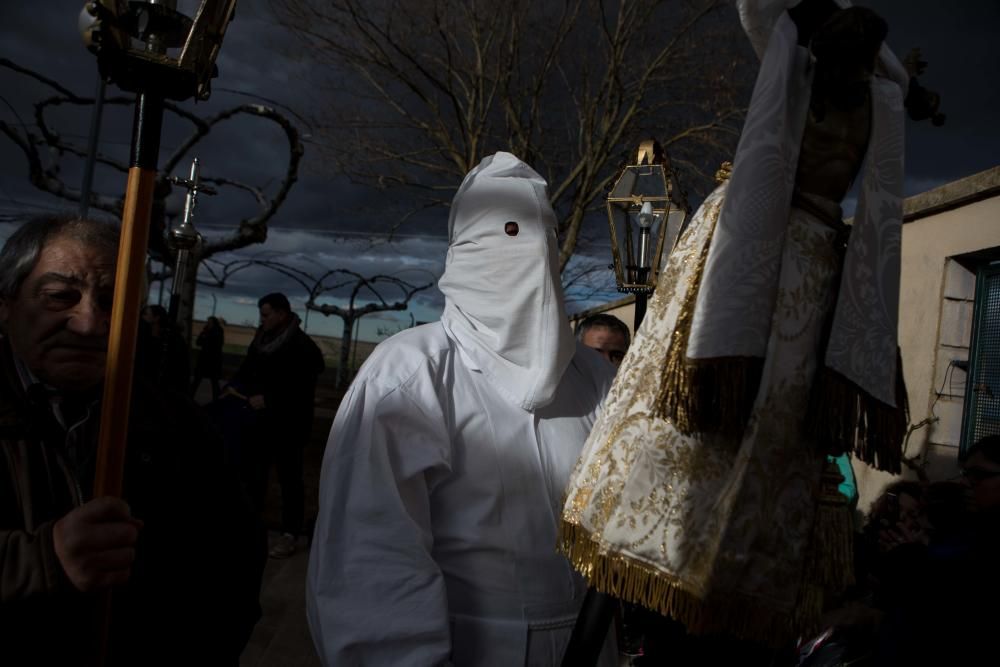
[[959, 42], [415, 260], [261, 60]]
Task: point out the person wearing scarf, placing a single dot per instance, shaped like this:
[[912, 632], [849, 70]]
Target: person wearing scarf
[[277, 379], [446, 465], [704, 491]]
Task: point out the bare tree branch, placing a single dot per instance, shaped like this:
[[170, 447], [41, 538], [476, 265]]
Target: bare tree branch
[[47, 177], [249, 230], [425, 89]]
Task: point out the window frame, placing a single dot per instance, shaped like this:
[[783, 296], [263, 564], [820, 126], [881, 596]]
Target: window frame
[[985, 271]]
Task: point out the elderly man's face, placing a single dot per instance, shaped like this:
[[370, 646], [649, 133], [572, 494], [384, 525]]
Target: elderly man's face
[[610, 343], [58, 321]]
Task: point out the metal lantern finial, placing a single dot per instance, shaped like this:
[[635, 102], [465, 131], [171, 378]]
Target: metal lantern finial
[[149, 40], [644, 207]]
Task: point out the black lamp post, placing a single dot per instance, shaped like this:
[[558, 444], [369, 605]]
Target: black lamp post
[[645, 206]]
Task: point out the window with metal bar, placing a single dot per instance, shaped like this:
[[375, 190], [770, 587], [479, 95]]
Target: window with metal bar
[[981, 414]]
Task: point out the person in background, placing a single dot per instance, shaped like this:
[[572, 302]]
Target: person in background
[[162, 354], [606, 334], [278, 381], [946, 587], [209, 365]]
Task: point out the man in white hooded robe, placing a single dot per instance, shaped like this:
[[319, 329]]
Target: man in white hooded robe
[[446, 466]]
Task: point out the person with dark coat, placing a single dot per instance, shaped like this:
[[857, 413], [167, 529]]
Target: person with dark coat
[[956, 591], [209, 365], [278, 381], [162, 354], [180, 551]]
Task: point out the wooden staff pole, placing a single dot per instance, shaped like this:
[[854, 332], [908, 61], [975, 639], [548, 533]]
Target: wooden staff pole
[[130, 281]]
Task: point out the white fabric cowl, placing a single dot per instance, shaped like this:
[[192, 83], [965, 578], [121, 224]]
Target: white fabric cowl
[[736, 300], [503, 297]]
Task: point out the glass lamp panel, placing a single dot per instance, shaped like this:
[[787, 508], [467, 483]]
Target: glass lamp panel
[[623, 187], [650, 183], [623, 239], [624, 231]]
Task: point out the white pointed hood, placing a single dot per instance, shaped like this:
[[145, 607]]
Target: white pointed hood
[[503, 297]]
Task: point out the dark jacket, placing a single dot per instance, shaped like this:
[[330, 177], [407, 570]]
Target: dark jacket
[[163, 360], [192, 595], [286, 377], [210, 342]]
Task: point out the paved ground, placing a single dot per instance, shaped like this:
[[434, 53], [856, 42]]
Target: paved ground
[[281, 638]]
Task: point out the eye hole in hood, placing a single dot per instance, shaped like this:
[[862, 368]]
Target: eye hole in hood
[[503, 296]]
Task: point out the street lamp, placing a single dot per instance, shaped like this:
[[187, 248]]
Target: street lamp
[[643, 206]]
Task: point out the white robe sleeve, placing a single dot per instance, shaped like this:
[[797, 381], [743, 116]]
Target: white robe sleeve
[[375, 595]]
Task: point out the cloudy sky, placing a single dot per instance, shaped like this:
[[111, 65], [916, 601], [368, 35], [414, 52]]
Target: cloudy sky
[[328, 223]]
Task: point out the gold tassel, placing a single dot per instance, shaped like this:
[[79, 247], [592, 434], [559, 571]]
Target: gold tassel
[[637, 582], [809, 608], [705, 395], [843, 418], [677, 399], [829, 563], [710, 395]]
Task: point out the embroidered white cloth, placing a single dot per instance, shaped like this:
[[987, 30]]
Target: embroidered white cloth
[[710, 529], [721, 529], [736, 301]]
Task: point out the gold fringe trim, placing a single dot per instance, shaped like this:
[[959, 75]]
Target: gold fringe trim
[[732, 614], [705, 395], [710, 395], [829, 561], [842, 417]]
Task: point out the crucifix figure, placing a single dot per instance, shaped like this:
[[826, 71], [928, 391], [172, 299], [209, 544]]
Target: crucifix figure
[[706, 493]]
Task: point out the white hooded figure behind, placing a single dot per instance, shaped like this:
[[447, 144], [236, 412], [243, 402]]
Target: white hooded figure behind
[[445, 469]]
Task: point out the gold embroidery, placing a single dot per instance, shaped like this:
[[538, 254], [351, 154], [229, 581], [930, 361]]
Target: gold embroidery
[[709, 528], [705, 395], [633, 580]]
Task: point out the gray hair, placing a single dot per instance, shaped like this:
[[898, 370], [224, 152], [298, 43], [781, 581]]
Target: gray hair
[[20, 253], [603, 320]]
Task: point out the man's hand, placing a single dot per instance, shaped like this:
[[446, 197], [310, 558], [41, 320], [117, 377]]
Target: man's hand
[[95, 543], [257, 402]]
